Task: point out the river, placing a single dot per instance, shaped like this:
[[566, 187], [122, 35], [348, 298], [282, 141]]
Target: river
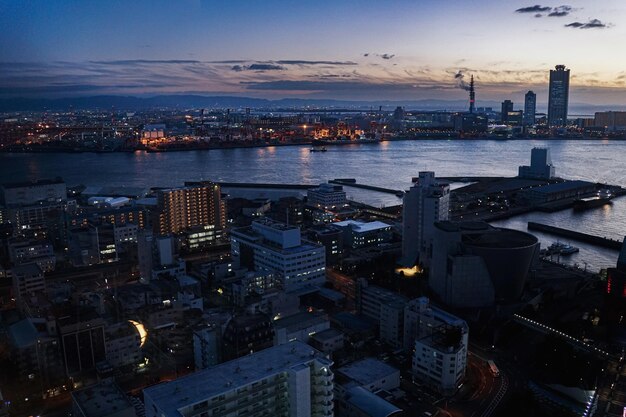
[[388, 164]]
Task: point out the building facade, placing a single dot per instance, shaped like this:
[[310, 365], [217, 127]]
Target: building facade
[[558, 96], [425, 203], [440, 343], [180, 209], [530, 108], [285, 381], [272, 246]]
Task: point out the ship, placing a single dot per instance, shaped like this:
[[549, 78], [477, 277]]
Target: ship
[[348, 141], [561, 249], [316, 148], [603, 197]]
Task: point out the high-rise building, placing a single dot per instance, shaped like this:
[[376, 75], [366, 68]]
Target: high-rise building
[[196, 204], [292, 379], [425, 203], [507, 106], [530, 108], [558, 96]]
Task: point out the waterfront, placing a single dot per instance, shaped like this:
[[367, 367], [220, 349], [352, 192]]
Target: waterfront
[[388, 164]]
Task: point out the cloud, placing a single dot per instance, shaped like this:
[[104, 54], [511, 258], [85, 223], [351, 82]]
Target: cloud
[[561, 11], [304, 62], [146, 61], [257, 67], [366, 54], [538, 15], [387, 56], [534, 9], [591, 24]]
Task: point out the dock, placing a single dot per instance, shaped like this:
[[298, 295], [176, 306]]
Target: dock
[[268, 185], [351, 183], [603, 242]]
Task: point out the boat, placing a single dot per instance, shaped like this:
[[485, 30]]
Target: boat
[[561, 249], [603, 197], [318, 149]]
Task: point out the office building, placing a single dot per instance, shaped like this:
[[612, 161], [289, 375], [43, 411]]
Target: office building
[[358, 234], [425, 203], [196, 204], [383, 306], [614, 306], [558, 96], [507, 106], [440, 343], [28, 280], [285, 381], [23, 251], [530, 108], [327, 196], [83, 341], [540, 168], [270, 246]]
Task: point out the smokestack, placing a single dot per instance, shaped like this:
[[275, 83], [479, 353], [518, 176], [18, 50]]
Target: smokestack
[[472, 95]]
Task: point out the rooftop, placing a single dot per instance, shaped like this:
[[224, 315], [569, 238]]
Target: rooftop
[[103, 399], [170, 396], [362, 227], [367, 371], [36, 183], [371, 403], [300, 321], [561, 186]]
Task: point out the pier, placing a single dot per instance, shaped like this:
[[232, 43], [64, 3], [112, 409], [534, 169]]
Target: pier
[[350, 183], [603, 242], [268, 185]]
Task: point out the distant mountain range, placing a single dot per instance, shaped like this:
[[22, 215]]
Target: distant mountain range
[[188, 101]]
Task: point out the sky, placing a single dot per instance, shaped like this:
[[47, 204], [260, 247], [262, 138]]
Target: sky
[[356, 50]]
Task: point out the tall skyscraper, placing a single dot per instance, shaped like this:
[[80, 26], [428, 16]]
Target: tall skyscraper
[[530, 108], [507, 106], [558, 96], [425, 203], [196, 204]]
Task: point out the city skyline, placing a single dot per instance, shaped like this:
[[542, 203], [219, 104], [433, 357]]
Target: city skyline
[[347, 51]]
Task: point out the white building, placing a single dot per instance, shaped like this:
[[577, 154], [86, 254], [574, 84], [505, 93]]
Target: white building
[[26, 251], [357, 234], [287, 380], [123, 344], [270, 246], [425, 203], [440, 341], [327, 196]]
